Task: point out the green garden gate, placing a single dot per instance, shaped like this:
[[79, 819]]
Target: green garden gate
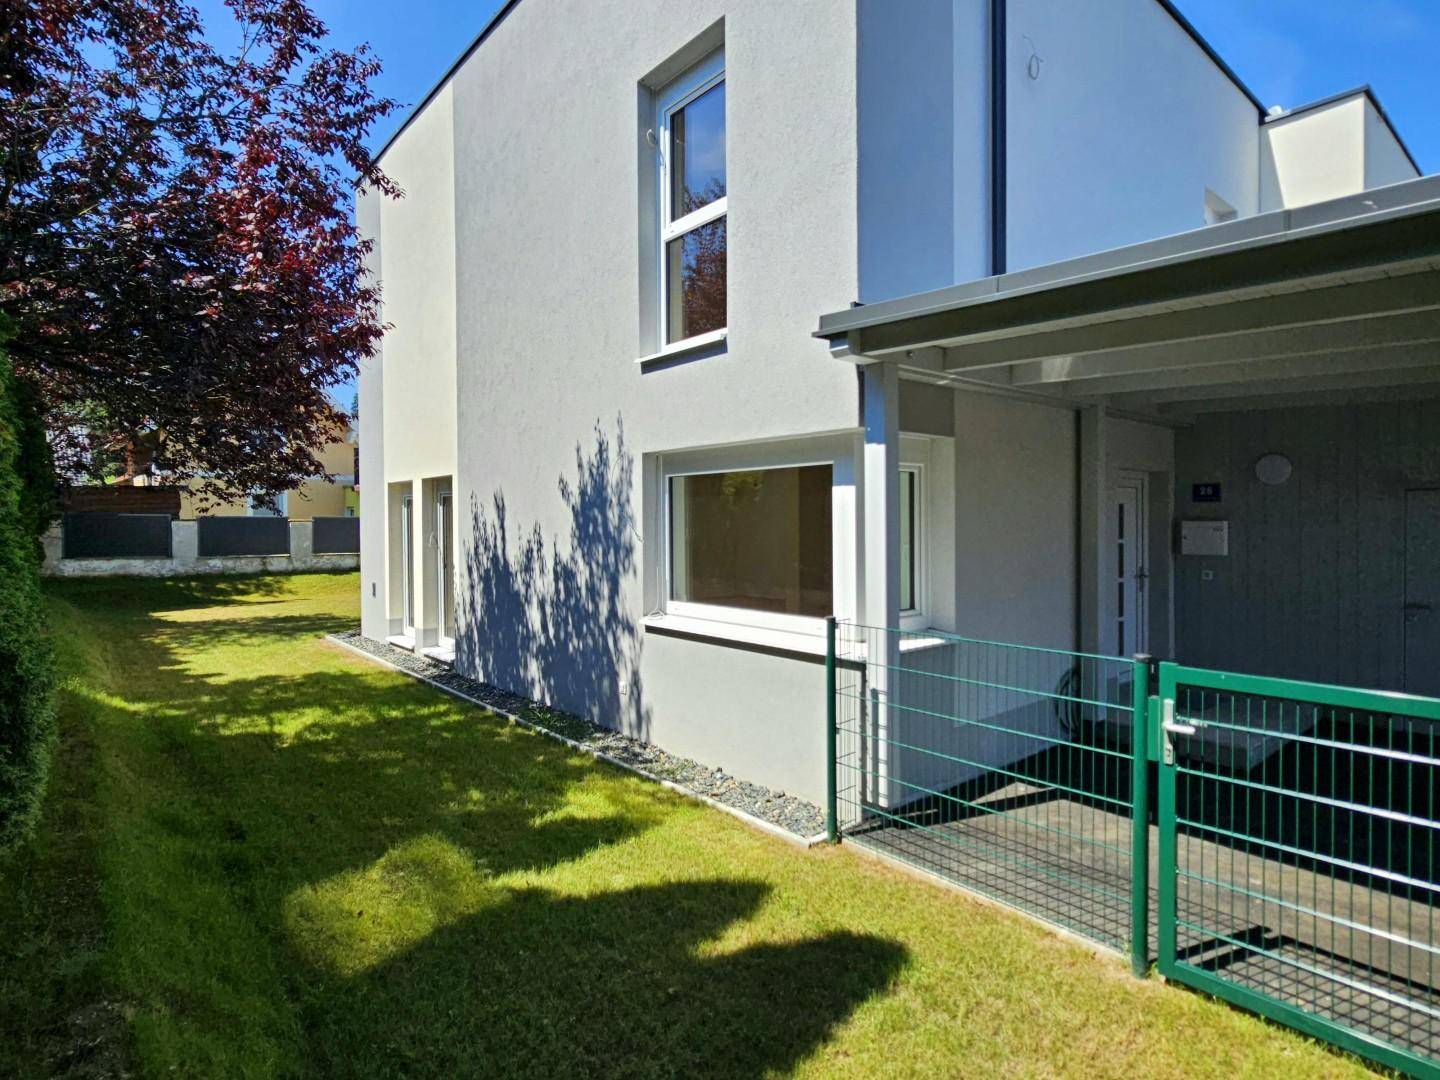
[[1272, 842], [1299, 856]]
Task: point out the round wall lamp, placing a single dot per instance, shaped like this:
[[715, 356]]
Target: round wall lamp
[[1273, 469]]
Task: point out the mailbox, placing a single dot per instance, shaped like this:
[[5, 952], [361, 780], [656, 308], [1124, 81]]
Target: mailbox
[[1205, 538]]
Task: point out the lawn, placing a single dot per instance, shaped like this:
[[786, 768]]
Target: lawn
[[264, 856]]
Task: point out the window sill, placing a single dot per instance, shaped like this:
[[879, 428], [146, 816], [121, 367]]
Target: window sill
[[401, 641], [444, 654], [795, 644], [920, 644], [689, 345]]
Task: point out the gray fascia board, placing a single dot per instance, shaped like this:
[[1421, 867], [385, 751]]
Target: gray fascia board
[[1412, 199]]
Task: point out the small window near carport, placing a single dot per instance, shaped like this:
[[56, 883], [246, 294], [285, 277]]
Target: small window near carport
[[911, 543]]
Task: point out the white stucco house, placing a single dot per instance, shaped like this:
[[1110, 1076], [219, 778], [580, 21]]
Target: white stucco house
[[1029, 321]]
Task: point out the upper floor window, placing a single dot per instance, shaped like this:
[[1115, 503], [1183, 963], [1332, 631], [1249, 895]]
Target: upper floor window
[[691, 145]]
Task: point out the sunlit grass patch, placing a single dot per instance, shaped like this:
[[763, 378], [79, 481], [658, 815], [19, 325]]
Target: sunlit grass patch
[[266, 857], [355, 920]]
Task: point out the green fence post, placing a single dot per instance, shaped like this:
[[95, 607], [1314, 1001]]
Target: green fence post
[[1140, 819], [832, 829]]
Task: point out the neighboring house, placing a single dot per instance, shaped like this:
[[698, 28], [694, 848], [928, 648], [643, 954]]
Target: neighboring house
[[956, 380], [321, 496]]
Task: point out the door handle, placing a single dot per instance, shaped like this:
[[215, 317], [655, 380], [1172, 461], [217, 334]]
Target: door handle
[[1169, 729], [1167, 720]]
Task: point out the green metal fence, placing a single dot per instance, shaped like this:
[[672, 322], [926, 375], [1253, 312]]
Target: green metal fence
[[1294, 832], [1004, 768], [1299, 860]]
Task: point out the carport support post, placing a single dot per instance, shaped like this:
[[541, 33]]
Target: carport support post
[[1140, 817], [1093, 556], [832, 830], [881, 534]]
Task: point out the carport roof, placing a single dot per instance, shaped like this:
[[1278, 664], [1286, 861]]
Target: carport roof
[[1353, 283]]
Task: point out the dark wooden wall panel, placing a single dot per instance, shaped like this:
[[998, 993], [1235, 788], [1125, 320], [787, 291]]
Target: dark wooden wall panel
[[121, 499], [1313, 587]]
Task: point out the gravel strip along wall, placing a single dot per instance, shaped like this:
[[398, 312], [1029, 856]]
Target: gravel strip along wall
[[787, 812]]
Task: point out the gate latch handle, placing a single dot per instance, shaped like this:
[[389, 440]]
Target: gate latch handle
[[1167, 719], [1170, 728]]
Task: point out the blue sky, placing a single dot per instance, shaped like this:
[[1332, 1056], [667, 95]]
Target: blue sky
[[1288, 51], [1294, 51]]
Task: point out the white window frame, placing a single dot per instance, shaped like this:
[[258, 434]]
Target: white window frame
[[917, 617], [282, 507], [748, 617], [704, 76], [444, 525], [408, 607]]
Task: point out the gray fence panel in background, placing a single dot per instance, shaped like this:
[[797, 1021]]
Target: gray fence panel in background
[[116, 536], [336, 536], [243, 536]]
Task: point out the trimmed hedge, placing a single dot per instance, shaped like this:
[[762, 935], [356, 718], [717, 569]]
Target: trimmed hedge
[[27, 718]]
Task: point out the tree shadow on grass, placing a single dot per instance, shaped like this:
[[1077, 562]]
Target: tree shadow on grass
[[326, 869], [616, 983]]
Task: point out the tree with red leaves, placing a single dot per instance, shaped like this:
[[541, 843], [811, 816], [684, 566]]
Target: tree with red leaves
[[178, 256]]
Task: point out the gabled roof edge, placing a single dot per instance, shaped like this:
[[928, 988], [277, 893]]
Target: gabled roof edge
[[485, 32]]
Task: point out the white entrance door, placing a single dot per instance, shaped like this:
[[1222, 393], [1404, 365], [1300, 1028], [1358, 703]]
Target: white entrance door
[[1131, 561], [445, 568]]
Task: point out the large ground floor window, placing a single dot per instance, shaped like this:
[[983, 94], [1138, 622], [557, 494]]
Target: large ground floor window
[[758, 539]]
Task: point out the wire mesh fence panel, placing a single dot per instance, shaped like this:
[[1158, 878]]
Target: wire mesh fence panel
[[1003, 768], [1301, 855]]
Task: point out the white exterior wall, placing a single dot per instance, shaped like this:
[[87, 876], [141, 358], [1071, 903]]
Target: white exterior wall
[[417, 271], [1385, 159], [518, 278], [1015, 521], [924, 120], [555, 414], [414, 381], [1117, 139], [1314, 155], [1328, 152], [374, 617]]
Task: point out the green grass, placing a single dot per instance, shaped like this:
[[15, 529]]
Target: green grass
[[263, 856]]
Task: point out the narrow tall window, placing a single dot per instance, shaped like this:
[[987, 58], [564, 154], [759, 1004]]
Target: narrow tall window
[[445, 566], [909, 543], [407, 563], [693, 203]]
